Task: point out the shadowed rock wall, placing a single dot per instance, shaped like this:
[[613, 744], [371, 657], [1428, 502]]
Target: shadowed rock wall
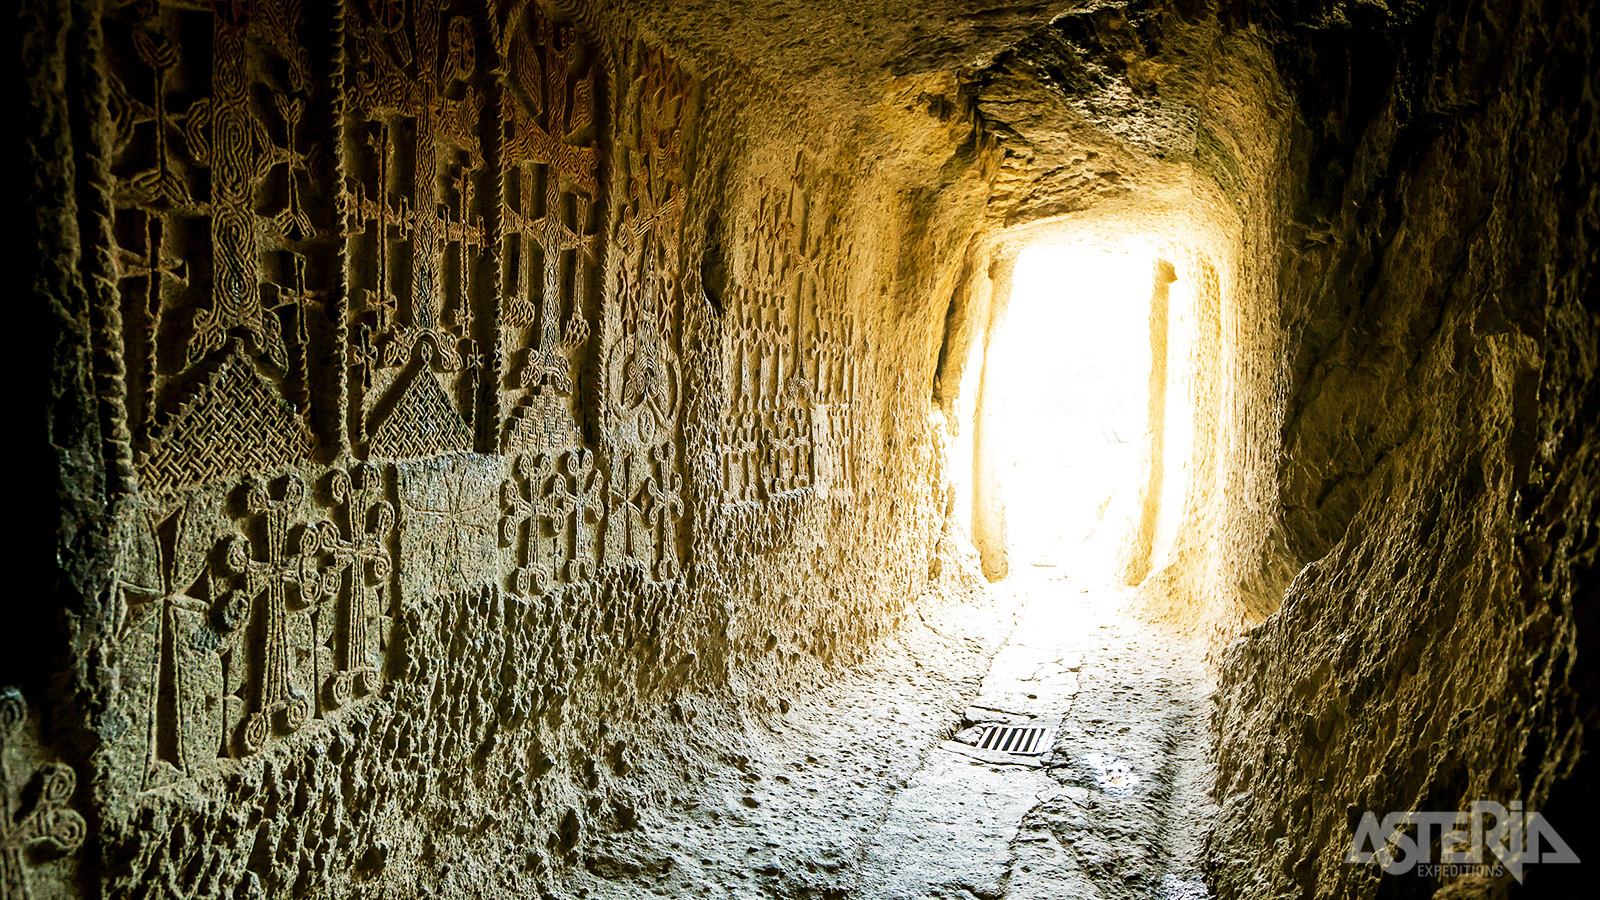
[[1402, 454], [480, 393], [1440, 459]]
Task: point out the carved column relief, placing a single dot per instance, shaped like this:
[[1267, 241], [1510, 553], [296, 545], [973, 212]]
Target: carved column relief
[[415, 177], [787, 349], [224, 251], [834, 353]]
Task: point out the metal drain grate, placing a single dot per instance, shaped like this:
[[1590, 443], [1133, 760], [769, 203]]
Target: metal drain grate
[[1022, 740]]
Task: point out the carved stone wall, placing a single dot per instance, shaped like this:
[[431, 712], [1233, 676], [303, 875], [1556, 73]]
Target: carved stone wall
[[790, 360], [444, 495]]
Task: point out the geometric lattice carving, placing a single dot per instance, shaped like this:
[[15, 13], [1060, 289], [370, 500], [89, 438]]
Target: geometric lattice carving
[[423, 421], [236, 421], [415, 197], [549, 229], [544, 423]]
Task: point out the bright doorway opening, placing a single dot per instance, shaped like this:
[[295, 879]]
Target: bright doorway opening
[[1068, 406]]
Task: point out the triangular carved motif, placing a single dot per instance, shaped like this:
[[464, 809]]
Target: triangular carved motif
[[237, 421], [422, 422]]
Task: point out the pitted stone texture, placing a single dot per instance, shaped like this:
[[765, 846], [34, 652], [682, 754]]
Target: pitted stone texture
[[1116, 809], [794, 801], [1441, 479], [680, 278]]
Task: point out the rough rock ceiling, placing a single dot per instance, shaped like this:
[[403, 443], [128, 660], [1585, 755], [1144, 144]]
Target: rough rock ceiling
[[840, 52], [1093, 100]]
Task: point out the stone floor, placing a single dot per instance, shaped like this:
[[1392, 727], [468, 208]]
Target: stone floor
[[874, 790]]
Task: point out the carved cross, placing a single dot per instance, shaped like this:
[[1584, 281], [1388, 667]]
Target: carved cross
[[292, 221], [298, 296], [666, 509], [582, 505], [364, 354], [287, 564], [466, 231], [540, 225], [162, 183], [566, 112], [381, 216], [174, 550], [365, 553], [537, 512], [627, 527], [153, 263], [461, 520], [45, 822]]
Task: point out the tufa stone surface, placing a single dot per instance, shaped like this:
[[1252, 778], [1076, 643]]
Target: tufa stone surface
[[458, 430]]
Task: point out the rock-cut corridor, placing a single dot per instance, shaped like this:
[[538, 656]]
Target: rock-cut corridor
[[608, 449], [875, 788]]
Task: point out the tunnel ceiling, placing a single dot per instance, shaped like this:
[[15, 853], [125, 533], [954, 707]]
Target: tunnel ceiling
[[838, 55], [1087, 98]]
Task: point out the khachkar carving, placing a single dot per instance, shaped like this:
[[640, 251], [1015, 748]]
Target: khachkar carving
[[36, 825], [552, 510], [223, 248], [640, 373], [788, 351], [360, 552], [561, 516], [270, 665], [836, 352], [171, 639], [640, 370], [549, 229], [448, 522], [645, 506], [234, 628], [417, 240]]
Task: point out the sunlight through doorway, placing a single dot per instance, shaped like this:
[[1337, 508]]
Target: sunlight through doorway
[[1071, 368]]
